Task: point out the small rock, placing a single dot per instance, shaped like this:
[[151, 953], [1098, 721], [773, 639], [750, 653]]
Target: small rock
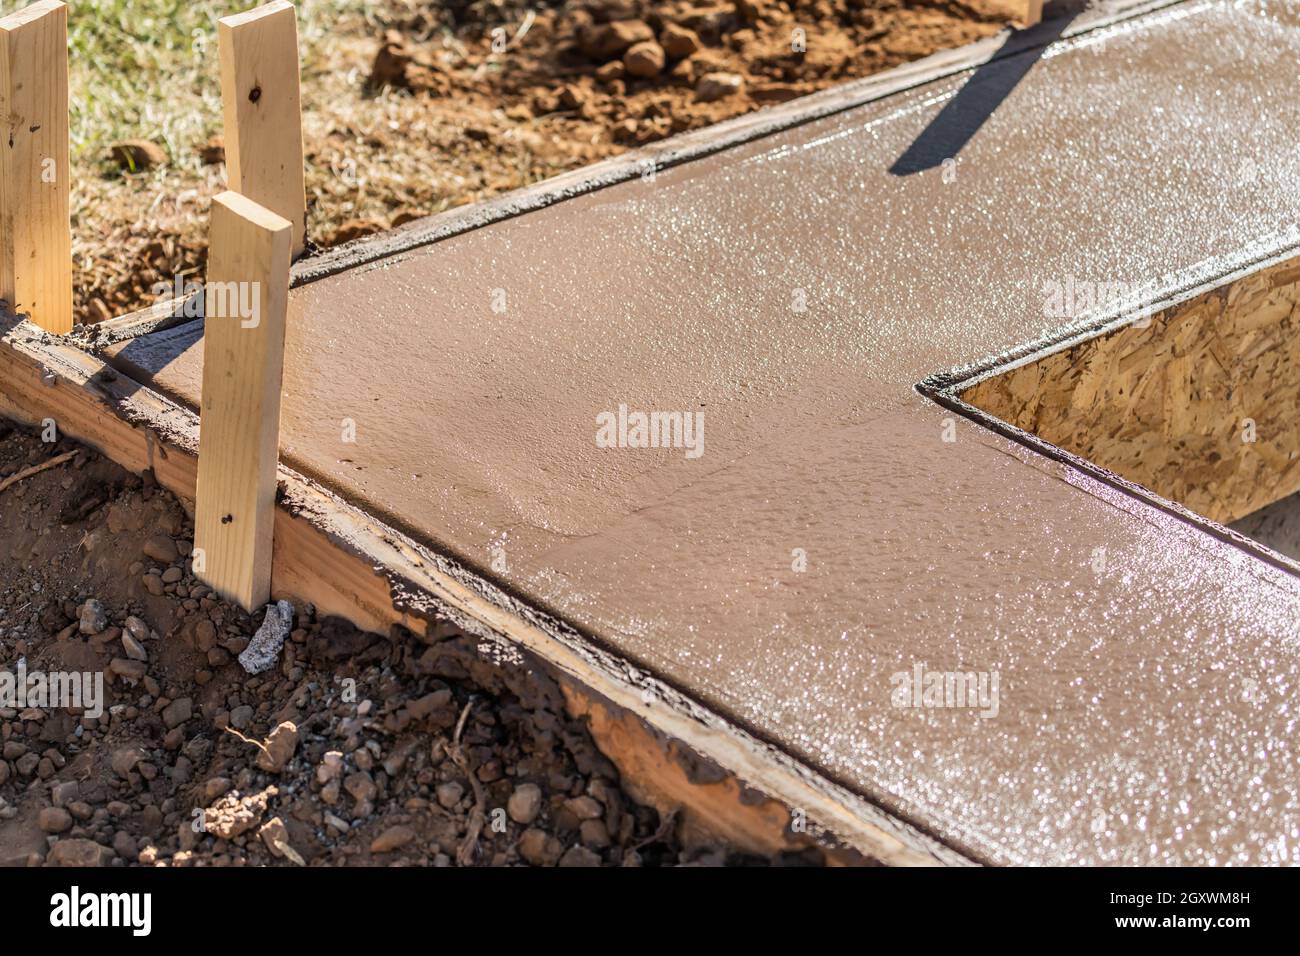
[[449, 794], [161, 548], [137, 628], [594, 834], [125, 759], [280, 746], [178, 712], [361, 787], [604, 41], [611, 71], [525, 803], [577, 856], [134, 649], [233, 815], [205, 635], [264, 649], [644, 60], [153, 584], [241, 716], [391, 839], [129, 670], [65, 793], [54, 820], [276, 837], [77, 853], [715, 86], [679, 42], [215, 788], [540, 848], [172, 575], [92, 617], [584, 808]]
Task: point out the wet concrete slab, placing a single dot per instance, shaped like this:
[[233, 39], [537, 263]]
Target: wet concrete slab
[[831, 550]]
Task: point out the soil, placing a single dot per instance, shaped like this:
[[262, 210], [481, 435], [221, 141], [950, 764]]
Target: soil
[[355, 749], [425, 106]]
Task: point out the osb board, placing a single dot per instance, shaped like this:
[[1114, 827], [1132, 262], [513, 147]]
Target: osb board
[[1199, 405]]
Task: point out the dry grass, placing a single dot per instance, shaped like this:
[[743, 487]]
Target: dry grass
[[148, 69]]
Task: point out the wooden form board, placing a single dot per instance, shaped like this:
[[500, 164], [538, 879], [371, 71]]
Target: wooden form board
[[1199, 404], [245, 301], [35, 234], [262, 111], [347, 563]]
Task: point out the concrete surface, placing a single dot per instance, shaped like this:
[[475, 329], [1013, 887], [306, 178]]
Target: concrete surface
[[794, 290]]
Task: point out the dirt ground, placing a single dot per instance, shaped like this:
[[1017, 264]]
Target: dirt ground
[[411, 107], [357, 749]]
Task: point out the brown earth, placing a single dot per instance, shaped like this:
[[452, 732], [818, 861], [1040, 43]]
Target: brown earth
[[414, 110], [357, 749]]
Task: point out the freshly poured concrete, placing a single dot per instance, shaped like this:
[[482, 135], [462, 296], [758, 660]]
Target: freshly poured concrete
[[1147, 672]]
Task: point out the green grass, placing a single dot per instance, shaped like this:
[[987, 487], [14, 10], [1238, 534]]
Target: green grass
[[148, 69]]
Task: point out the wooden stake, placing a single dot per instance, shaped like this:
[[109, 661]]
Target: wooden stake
[[35, 234], [246, 296], [1033, 14], [262, 111]]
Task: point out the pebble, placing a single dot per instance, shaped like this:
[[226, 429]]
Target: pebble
[[644, 60], [525, 803], [125, 759], [540, 848], [241, 716], [716, 86], [577, 856], [92, 618], [679, 42], [78, 852], [392, 839], [449, 794], [54, 820], [584, 808], [128, 670], [161, 548], [178, 712], [330, 767], [280, 746], [134, 649]]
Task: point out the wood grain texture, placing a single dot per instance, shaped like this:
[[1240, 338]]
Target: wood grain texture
[[246, 299], [1030, 13], [1174, 405], [262, 112], [35, 232]]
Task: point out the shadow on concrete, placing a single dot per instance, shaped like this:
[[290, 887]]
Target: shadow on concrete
[[990, 84]]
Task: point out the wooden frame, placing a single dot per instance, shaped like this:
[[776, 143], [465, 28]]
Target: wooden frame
[[261, 107], [248, 272], [35, 230]]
